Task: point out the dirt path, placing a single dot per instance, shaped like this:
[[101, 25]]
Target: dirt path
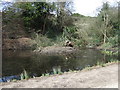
[[104, 77]]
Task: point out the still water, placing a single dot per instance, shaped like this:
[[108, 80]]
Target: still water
[[14, 62]]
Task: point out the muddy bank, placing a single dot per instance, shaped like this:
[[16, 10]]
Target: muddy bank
[[27, 43], [16, 44], [99, 77], [56, 50]]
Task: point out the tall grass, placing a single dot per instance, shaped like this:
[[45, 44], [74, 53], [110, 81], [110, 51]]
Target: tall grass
[[42, 40], [24, 75], [57, 70]]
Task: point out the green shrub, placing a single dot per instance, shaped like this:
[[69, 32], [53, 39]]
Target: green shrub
[[113, 60], [42, 41], [47, 74], [24, 75], [59, 71], [60, 40], [110, 53], [101, 64], [113, 40], [54, 71], [106, 45], [21, 76], [79, 43]]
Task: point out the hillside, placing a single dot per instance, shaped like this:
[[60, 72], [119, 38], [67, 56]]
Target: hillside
[[46, 28], [14, 35]]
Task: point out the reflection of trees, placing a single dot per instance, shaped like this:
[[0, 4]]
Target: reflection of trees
[[38, 64], [13, 65], [88, 57], [44, 62]]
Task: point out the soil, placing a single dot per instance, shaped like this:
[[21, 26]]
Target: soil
[[16, 44], [57, 50], [98, 77]]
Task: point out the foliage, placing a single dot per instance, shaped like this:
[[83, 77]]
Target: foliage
[[113, 40], [50, 23], [110, 52], [54, 71], [57, 70], [103, 30], [69, 32], [106, 45], [39, 17], [114, 60], [88, 68], [24, 75], [42, 41], [78, 15], [101, 64], [47, 74], [36, 16]]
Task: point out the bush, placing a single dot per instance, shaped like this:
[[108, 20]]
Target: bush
[[106, 45], [69, 33], [24, 75], [79, 43], [42, 41], [113, 40]]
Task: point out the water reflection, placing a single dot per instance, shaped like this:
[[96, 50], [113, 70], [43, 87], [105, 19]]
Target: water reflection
[[14, 62]]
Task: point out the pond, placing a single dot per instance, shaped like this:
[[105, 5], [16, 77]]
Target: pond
[[14, 62]]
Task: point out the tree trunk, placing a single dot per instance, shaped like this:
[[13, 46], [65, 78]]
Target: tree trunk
[[105, 36], [106, 23]]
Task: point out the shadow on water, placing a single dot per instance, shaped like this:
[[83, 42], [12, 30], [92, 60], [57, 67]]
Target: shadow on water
[[14, 62]]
